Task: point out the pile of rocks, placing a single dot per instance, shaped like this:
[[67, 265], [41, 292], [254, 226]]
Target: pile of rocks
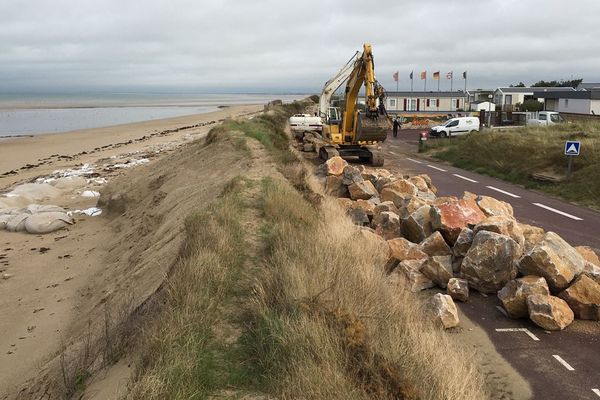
[[473, 242], [309, 141]]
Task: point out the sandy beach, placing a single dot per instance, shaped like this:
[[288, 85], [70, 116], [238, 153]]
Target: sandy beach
[[53, 284], [24, 158]]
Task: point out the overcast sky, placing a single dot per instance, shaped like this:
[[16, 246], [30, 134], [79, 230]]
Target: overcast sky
[[270, 45]]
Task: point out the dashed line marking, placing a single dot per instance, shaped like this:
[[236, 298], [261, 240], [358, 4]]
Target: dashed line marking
[[531, 335], [391, 152], [597, 391], [527, 331], [465, 178], [434, 167], [558, 211], [504, 191], [563, 362], [502, 311], [415, 161]]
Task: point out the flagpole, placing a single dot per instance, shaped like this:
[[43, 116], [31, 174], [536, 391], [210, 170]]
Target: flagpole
[[397, 95], [411, 80], [425, 84], [438, 83], [451, 87]]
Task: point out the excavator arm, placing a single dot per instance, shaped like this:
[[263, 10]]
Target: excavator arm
[[368, 128], [333, 84]]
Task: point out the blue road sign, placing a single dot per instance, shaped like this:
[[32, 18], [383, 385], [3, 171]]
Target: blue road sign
[[572, 148]]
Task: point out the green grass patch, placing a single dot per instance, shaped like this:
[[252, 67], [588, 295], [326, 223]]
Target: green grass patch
[[518, 154]]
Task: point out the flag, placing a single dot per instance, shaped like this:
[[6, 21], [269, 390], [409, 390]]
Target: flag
[[423, 75], [449, 75], [396, 76], [465, 75], [411, 75], [436, 76]]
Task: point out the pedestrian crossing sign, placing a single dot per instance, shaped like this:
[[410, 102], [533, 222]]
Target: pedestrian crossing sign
[[572, 148]]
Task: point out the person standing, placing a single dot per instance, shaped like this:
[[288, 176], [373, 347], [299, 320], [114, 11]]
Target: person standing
[[396, 124]]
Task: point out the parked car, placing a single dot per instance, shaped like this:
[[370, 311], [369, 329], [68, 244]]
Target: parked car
[[546, 118], [456, 127]]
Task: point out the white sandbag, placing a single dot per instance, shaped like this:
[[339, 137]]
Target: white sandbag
[[69, 182], [47, 222], [36, 191], [90, 193], [40, 208], [4, 220], [10, 211], [17, 222]]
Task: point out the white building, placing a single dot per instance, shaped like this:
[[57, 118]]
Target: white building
[[506, 98], [426, 102], [482, 106], [586, 101]]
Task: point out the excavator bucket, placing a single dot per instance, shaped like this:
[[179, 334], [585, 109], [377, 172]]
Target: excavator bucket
[[371, 130]]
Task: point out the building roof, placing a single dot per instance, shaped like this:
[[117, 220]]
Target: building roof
[[588, 85], [532, 89], [593, 94], [454, 94]]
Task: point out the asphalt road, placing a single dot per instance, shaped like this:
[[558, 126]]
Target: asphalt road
[[558, 365], [578, 225]]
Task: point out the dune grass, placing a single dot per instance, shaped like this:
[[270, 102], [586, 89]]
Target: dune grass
[[275, 296], [517, 154]]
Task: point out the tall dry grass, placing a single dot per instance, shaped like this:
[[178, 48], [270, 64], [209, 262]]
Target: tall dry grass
[[327, 324]]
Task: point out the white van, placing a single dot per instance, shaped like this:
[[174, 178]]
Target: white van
[[455, 127]]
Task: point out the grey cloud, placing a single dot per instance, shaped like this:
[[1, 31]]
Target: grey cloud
[[230, 45]]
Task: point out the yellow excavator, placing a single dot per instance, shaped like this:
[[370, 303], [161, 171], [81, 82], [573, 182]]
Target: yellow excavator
[[357, 133]]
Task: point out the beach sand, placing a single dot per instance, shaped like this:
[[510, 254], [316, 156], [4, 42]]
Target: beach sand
[[51, 284], [24, 158]]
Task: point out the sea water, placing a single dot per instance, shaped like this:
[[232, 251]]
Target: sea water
[[34, 114]]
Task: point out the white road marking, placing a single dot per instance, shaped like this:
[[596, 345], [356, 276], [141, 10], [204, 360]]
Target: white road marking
[[502, 311], [527, 331], [391, 152], [563, 362], [434, 167], [531, 335], [558, 211], [415, 161], [484, 295], [504, 191], [597, 391], [465, 178]]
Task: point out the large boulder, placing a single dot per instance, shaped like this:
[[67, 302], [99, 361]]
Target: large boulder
[[549, 312], [451, 217], [435, 245], [532, 234], [492, 207], [387, 224], [458, 289], [588, 254], [362, 190], [514, 295], [397, 191], [335, 165], [351, 175], [583, 297], [413, 278], [592, 271], [417, 226], [503, 225], [335, 187], [419, 182], [47, 222], [438, 269], [385, 206], [401, 249], [490, 262], [463, 242], [445, 310], [555, 260]]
